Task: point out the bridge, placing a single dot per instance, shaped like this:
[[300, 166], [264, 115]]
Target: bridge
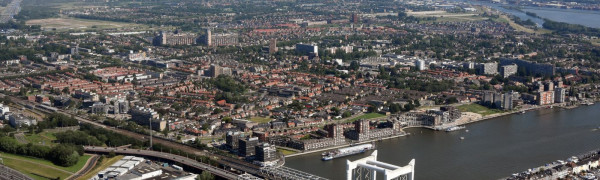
[[165, 156], [285, 173], [368, 167]]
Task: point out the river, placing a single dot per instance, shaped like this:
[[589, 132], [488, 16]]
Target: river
[[572, 16], [491, 149]]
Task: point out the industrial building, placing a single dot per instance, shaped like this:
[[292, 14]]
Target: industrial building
[[137, 168]]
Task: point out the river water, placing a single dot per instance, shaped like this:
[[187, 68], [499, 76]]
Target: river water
[[572, 16], [491, 149]]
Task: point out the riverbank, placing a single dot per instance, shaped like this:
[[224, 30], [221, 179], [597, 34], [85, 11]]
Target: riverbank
[[565, 169], [459, 122], [473, 118], [347, 145]]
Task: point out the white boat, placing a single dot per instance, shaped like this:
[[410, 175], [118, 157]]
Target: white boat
[[455, 128], [462, 138]]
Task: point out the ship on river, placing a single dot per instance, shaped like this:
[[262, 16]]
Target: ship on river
[[347, 151], [455, 128]]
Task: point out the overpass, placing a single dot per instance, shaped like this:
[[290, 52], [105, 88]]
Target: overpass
[[165, 156]]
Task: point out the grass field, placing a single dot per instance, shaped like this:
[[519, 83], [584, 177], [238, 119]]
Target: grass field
[[479, 109], [518, 27], [44, 138], [595, 42], [79, 24], [286, 152], [99, 167], [367, 116], [40, 168], [443, 16], [26, 168], [260, 119]]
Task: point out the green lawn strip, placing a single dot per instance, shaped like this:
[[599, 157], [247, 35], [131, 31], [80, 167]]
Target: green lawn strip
[[82, 160], [260, 119], [479, 109], [286, 152], [33, 170], [44, 138], [367, 116]]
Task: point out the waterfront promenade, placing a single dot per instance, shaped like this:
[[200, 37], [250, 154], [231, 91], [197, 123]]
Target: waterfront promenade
[[349, 144], [469, 117]]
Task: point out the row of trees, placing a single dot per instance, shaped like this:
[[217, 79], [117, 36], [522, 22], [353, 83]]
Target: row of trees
[[561, 27], [57, 120], [62, 154]]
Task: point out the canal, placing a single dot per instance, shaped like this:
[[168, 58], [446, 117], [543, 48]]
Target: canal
[[491, 149]]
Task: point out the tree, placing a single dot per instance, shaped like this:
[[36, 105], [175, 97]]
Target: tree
[[64, 155], [227, 119], [111, 154], [394, 108], [217, 111], [346, 114], [354, 65], [206, 176], [336, 111], [451, 100]]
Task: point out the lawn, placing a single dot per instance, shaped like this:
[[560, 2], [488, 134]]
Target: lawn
[[286, 152], [479, 109], [26, 168], [367, 116], [595, 42], [82, 160], [44, 138], [260, 119], [518, 27], [99, 167]]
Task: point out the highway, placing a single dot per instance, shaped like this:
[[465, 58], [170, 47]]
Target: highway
[[166, 156], [87, 168]]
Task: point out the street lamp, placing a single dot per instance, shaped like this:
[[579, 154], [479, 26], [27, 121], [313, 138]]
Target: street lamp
[[150, 133]]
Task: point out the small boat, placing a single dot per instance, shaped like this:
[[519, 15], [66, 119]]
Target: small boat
[[455, 128], [522, 112], [462, 138], [467, 130]]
